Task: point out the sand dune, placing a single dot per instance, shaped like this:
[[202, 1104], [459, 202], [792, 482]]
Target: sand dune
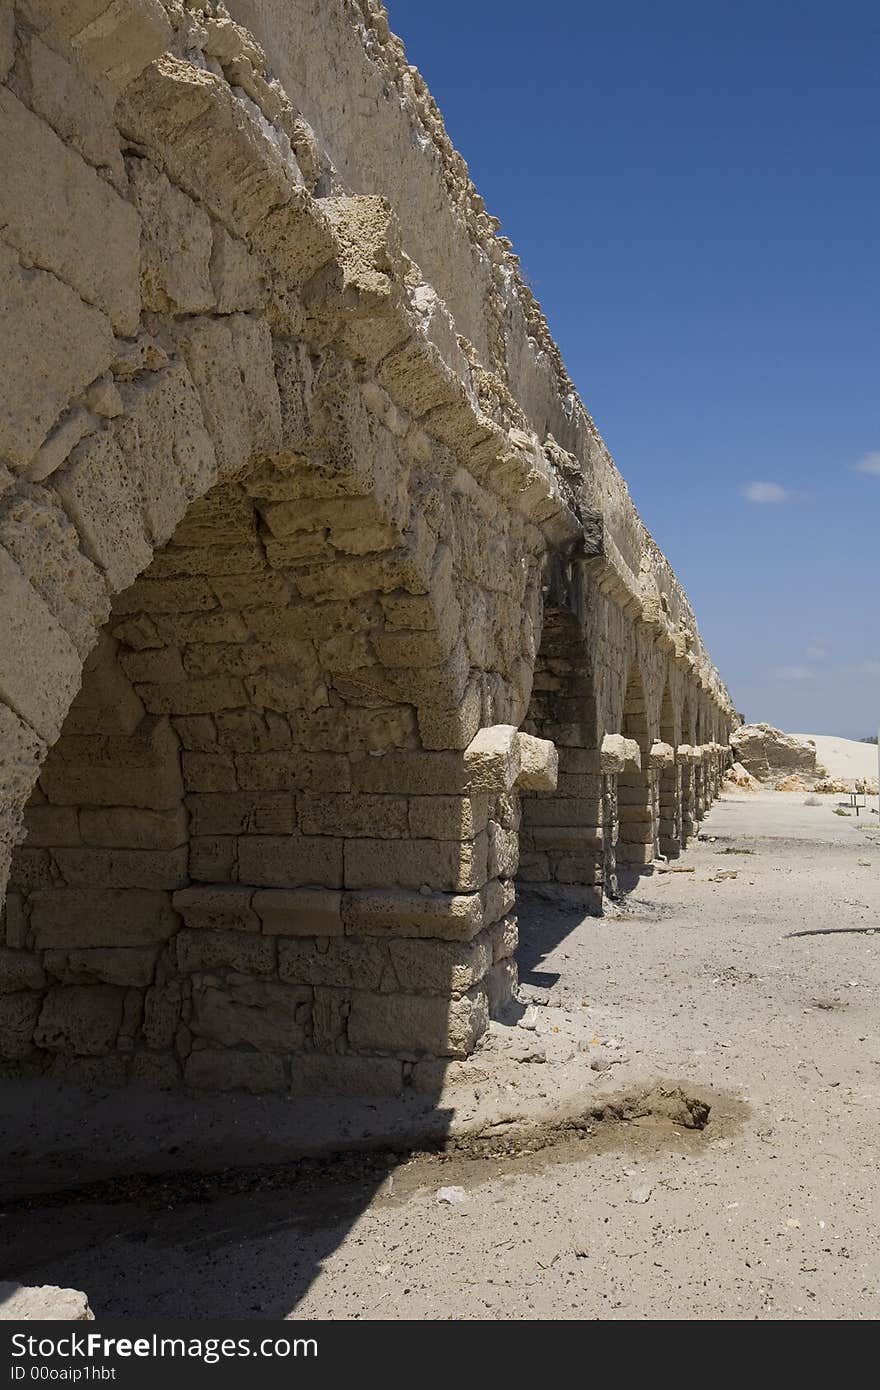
[[845, 757]]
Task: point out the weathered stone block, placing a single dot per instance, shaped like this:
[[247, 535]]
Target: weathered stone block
[[229, 1070], [447, 865], [299, 911], [261, 1014], [124, 868], [124, 827], [417, 1024], [20, 970], [448, 817], [353, 815], [214, 909], [118, 965], [83, 1019], [221, 950], [335, 961], [39, 666], [290, 861], [393, 912], [67, 917], [18, 1018], [58, 212], [314, 1074]]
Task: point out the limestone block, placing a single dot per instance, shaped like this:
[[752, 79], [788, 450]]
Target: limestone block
[[314, 1074], [291, 861], [299, 911], [620, 754], [58, 212], [440, 967], [83, 1019], [124, 868], [101, 496], [62, 94], [116, 965], [662, 755], [210, 909], [123, 827], [212, 859], [162, 1008], [417, 1023], [21, 752], [563, 837], [163, 439], [19, 970], [49, 826], [31, 869], [240, 813], [142, 770], [441, 728], [347, 730], [155, 1071], [224, 1069], [7, 38], [562, 810], [18, 1019], [339, 961], [504, 936], [328, 773], [197, 695], [264, 1015], [45, 1303], [500, 985], [113, 46], [39, 666], [398, 912], [209, 772], [503, 855], [38, 535], [493, 759], [176, 243], [497, 899], [236, 275], [384, 817], [68, 917], [221, 950], [448, 817], [539, 763], [13, 922], [411, 773], [246, 731], [447, 865]]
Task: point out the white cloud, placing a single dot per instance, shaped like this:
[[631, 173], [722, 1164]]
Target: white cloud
[[869, 463], [766, 492], [793, 673], [816, 651]]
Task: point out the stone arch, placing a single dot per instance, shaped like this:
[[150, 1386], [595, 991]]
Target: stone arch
[[637, 785], [563, 833], [247, 859], [686, 758], [669, 779]]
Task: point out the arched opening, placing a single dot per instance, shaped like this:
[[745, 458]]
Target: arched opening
[[637, 787], [562, 836], [264, 852], [669, 777], [686, 763]]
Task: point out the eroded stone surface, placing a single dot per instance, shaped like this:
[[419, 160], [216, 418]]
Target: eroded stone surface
[[299, 671]]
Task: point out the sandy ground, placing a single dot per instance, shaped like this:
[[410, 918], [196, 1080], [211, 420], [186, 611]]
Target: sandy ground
[[845, 758], [756, 994]]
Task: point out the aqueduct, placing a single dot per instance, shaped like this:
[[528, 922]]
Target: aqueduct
[[326, 614]]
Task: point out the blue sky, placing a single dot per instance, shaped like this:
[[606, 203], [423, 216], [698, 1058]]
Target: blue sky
[[694, 191]]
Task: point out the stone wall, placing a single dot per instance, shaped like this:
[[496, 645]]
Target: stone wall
[[311, 560]]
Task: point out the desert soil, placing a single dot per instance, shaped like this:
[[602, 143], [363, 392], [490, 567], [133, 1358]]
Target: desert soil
[[748, 979]]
